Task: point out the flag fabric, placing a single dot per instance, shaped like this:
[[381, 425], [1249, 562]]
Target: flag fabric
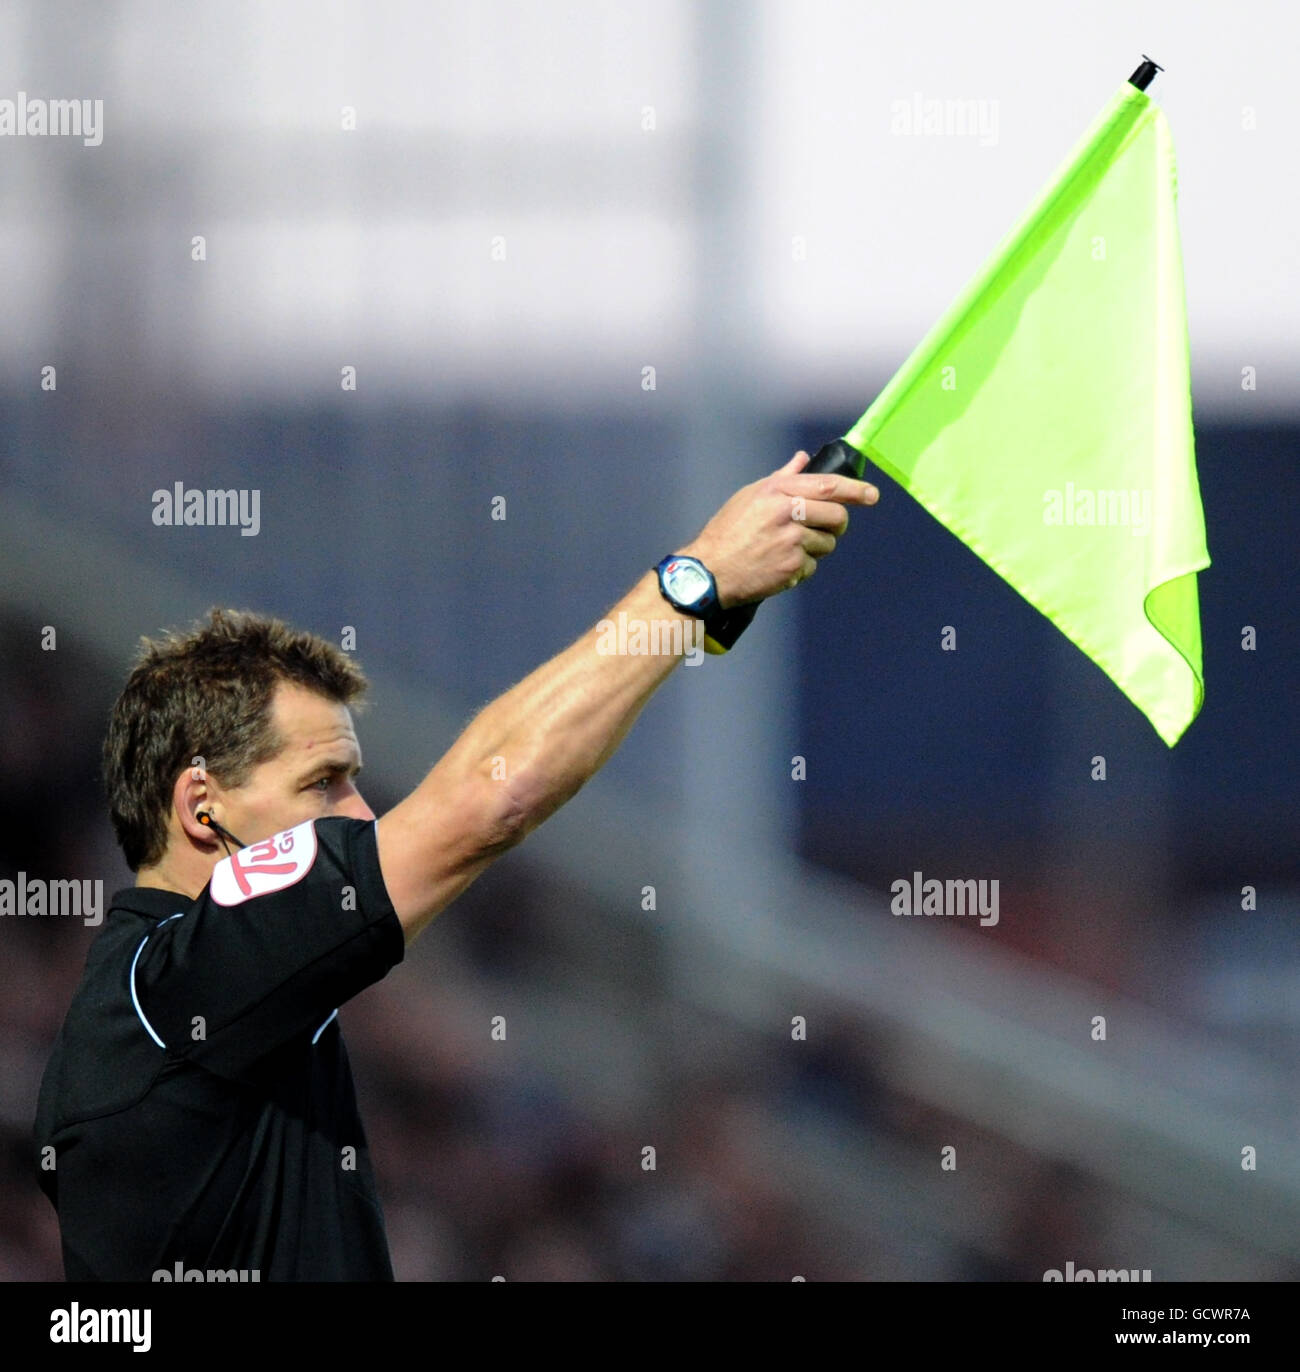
[[1046, 419]]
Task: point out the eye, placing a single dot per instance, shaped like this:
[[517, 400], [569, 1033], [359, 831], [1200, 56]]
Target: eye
[[322, 785]]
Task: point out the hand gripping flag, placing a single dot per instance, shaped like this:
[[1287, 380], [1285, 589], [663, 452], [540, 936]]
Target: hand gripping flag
[[1046, 418]]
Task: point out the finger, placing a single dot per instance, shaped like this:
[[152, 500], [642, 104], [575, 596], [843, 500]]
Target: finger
[[804, 572], [817, 543], [794, 464], [819, 514], [847, 490]]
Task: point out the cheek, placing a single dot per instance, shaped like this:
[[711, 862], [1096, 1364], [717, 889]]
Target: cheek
[[281, 810]]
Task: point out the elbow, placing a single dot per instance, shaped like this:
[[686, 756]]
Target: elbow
[[502, 820], [528, 798]]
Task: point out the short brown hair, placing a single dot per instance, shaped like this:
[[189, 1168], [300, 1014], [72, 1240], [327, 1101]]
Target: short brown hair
[[206, 693]]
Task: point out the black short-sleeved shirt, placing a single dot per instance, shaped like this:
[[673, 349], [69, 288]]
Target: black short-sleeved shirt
[[199, 1099]]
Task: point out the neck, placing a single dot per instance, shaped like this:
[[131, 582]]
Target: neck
[[168, 876]]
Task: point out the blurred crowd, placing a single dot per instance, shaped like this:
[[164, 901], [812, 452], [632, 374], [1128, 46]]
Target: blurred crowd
[[490, 1161]]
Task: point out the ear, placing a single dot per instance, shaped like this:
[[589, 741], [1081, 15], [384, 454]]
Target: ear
[[191, 793]]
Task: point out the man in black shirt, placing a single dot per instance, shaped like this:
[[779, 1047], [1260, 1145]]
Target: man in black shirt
[[198, 1114], [206, 1117]]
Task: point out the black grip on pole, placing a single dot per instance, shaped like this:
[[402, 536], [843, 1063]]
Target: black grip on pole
[[836, 458]]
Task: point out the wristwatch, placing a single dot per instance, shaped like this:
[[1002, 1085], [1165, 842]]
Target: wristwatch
[[688, 586]]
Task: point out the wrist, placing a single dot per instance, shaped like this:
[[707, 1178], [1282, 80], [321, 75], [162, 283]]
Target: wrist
[[720, 581]]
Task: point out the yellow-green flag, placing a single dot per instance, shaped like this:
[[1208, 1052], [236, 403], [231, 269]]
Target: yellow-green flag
[[1046, 419]]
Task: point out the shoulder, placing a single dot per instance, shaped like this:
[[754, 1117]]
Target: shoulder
[[317, 850]]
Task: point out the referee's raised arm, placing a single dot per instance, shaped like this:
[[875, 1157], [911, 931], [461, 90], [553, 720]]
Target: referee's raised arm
[[534, 747]]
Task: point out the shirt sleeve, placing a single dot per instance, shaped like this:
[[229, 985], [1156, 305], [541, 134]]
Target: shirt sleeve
[[285, 932]]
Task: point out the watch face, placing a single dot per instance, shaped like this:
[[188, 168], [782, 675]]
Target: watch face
[[685, 582]]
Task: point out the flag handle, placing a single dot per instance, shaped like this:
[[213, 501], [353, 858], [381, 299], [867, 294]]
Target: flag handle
[[836, 458]]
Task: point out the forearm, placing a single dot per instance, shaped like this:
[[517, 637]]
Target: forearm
[[546, 737], [532, 749]]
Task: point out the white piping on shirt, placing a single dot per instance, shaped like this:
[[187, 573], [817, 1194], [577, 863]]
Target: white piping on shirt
[[135, 999]]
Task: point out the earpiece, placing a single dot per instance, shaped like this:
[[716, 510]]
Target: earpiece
[[204, 817]]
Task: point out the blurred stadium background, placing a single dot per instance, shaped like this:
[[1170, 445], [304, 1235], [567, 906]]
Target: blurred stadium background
[[712, 191]]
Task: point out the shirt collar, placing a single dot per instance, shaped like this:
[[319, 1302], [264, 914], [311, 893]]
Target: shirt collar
[[150, 901]]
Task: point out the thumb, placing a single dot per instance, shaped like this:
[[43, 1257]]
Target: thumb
[[798, 462]]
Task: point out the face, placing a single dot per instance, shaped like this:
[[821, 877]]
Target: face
[[313, 776]]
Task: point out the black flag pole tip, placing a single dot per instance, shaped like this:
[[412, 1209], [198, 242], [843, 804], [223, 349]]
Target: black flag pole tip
[[1145, 74]]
